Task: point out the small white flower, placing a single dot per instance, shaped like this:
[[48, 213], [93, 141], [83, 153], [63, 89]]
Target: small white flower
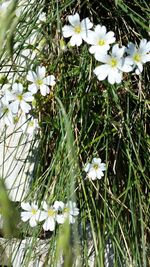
[[29, 125], [20, 99], [6, 94], [64, 212], [114, 65], [42, 17], [39, 81], [49, 215], [95, 169], [78, 31], [6, 115], [100, 40], [31, 213], [139, 55]]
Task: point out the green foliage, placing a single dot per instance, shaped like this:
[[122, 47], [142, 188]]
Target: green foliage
[[9, 214]]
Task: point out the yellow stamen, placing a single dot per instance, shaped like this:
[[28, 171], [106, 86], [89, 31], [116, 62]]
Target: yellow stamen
[[137, 58], [95, 166], [31, 123], [113, 62], [66, 209], [50, 212], [39, 82], [33, 211], [101, 42], [20, 97], [77, 29]]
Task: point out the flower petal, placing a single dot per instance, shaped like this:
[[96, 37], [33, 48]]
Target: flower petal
[[33, 88], [25, 216], [76, 40], [33, 221], [87, 167], [49, 80], [86, 24], [31, 76], [25, 206], [25, 106], [67, 31], [102, 72], [44, 89], [28, 97], [92, 174], [74, 19]]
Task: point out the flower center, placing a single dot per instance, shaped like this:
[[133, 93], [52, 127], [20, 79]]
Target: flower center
[[113, 62], [101, 42], [137, 58], [66, 210], [39, 82], [51, 212], [16, 119], [77, 29], [20, 97], [31, 123], [33, 211], [95, 166]]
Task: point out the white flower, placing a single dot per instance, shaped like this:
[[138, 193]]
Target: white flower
[[42, 17], [100, 40], [78, 31], [49, 215], [6, 94], [30, 214], [39, 81], [20, 99], [6, 115], [139, 55], [95, 169], [114, 65], [68, 211], [29, 125]]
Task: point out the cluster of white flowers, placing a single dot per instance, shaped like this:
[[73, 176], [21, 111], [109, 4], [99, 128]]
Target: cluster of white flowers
[[95, 169], [113, 63], [50, 214], [16, 102]]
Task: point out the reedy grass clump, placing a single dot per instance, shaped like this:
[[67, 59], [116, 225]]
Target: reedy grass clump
[[81, 119]]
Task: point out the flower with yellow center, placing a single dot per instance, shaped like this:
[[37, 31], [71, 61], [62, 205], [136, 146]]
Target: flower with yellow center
[[113, 65], [138, 55], [31, 213], [48, 215], [40, 81], [78, 30], [100, 40], [29, 125], [6, 116], [66, 211], [20, 99], [95, 169]]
